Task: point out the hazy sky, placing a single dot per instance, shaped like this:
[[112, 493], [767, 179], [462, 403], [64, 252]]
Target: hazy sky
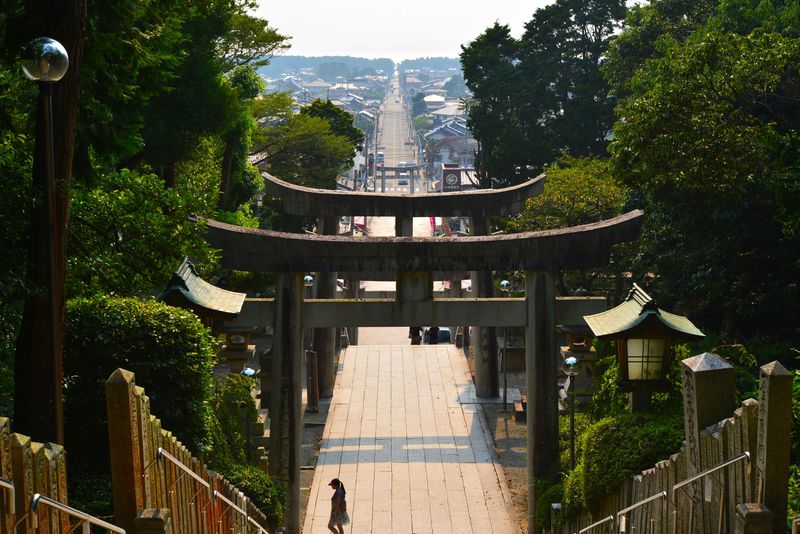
[[398, 29]]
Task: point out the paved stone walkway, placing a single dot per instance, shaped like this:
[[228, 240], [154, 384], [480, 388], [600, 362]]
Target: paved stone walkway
[[411, 456]]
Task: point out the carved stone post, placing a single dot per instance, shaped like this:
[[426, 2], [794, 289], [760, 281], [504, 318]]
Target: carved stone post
[[487, 373], [709, 395], [126, 457], [287, 354], [753, 518], [774, 440], [153, 521], [541, 382]]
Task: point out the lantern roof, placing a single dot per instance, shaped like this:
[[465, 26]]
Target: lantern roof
[[639, 316], [187, 290]]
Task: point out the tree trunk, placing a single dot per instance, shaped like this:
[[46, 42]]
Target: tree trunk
[[227, 165], [37, 373]]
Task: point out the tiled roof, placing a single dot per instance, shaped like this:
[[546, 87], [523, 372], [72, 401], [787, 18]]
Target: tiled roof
[[638, 314], [187, 290]]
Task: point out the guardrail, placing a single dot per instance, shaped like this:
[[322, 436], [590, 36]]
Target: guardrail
[[86, 520]]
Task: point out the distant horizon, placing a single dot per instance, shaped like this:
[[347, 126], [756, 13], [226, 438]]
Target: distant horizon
[[389, 29]]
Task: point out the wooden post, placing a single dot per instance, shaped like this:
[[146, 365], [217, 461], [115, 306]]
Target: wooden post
[[774, 440], [123, 436], [541, 384], [709, 395]]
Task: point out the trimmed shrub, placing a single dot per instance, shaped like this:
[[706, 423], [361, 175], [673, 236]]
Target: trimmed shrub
[[168, 348], [615, 448]]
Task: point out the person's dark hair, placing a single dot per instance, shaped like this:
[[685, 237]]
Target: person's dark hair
[[338, 484]]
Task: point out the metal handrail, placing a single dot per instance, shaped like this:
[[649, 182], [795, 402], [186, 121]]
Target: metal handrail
[[621, 514], [86, 520], [7, 484], [180, 465], [235, 508], [708, 471], [695, 478], [597, 524]]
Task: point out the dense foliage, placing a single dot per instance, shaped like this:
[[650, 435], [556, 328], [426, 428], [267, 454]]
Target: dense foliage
[[543, 93], [265, 493]]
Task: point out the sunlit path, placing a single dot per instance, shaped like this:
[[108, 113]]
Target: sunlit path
[[412, 457]]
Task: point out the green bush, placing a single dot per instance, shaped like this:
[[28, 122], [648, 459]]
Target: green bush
[[169, 350], [615, 448], [265, 493], [794, 492]]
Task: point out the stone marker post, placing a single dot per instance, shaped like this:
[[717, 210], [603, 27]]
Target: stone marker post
[[153, 521], [774, 440], [541, 382], [709, 396]]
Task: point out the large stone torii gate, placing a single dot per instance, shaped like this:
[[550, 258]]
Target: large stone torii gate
[[539, 254]]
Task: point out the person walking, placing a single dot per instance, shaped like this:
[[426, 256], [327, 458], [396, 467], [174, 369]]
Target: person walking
[[339, 516]]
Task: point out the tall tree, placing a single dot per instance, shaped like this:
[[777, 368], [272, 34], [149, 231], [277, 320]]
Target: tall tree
[[489, 64], [543, 94], [710, 141], [340, 121]]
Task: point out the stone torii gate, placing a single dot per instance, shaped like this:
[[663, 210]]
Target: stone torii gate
[[478, 206], [539, 254]]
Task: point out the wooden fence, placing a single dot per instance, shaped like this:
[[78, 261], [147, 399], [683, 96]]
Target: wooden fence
[[720, 494], [144, 480], [709, 504], [32, 468]]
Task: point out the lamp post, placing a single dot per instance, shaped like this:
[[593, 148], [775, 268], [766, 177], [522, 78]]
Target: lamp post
[[312, 370], [571, 368], [45, 61], [505, 287]]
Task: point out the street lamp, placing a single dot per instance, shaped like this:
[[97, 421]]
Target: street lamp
[[644, 335], [505, 287], [571, 369], [312, 364], [45, 61]]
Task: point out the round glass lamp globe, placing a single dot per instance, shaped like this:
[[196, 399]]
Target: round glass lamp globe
[[308, 280], [44, 60], [571, 365]]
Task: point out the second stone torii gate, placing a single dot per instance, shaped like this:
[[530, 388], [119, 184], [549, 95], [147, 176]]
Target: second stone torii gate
[[539, 254]]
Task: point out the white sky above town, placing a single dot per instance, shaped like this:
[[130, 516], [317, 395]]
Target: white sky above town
[[397, 29]]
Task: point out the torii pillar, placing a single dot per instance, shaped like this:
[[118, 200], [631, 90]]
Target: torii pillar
[[286, 402], [541, 380], [484, 343]]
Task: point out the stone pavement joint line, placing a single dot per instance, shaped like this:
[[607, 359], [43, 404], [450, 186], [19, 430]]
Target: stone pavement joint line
[[413, 459]]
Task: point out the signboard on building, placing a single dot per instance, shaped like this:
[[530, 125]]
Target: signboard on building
[[451, 177]]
